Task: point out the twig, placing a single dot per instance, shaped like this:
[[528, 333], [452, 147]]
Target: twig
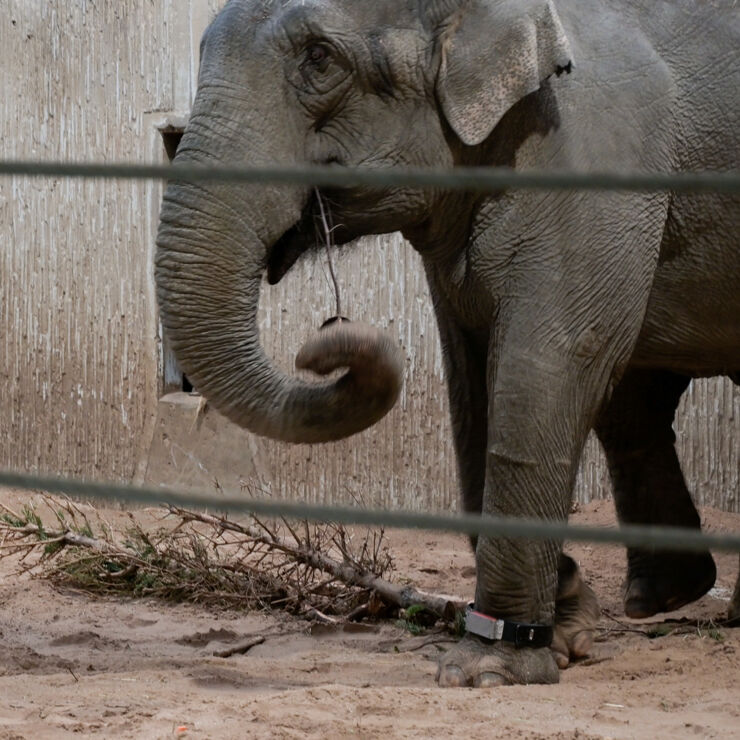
[[436, 640], [328, 243], [358, 612], [124, 573], [241, 647], [10, 511], [292, 531], [64, 537], [313, 612]]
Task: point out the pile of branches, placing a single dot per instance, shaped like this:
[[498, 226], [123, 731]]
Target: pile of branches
[[320, 572]]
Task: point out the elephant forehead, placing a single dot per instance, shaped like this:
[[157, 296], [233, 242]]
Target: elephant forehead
[[339, 15], [391, 32]]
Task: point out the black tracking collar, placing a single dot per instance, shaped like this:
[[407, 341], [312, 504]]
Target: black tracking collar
[[518, 633]]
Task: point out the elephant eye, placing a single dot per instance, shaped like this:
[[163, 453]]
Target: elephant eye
[[321, 67], [317, 55]]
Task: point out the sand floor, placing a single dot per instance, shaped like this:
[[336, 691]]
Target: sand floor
[[72, 665]]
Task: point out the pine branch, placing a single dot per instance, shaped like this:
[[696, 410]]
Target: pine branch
[[347, 571]]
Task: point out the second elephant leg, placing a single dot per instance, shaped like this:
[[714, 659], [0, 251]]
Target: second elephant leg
[[636, 432], [734, 610]]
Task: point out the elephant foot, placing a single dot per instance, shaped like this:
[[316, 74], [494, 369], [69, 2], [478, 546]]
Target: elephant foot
[[577, 613], [671, 582], [733, 613], [480, 663]]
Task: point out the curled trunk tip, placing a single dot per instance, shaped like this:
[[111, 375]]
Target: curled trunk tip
[[374, 362]]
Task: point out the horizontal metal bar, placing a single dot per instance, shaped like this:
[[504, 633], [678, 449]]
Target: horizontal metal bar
[[481, 179], [659, 538]]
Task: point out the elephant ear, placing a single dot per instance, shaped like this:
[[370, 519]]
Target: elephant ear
[[494, 52]]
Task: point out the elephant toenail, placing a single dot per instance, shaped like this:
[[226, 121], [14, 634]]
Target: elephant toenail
[[582, 643], [489, 680], [562, 660], [452, 677]]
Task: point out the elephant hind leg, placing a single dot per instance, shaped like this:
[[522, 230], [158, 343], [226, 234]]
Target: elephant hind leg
[[576, 614], [734, 611], [636, 432]]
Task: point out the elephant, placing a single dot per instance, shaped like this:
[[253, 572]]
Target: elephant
[[558, 311]]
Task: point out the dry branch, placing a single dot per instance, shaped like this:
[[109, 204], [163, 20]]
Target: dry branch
[[317, 571], [348, 572], [66, 537], [241, 647]]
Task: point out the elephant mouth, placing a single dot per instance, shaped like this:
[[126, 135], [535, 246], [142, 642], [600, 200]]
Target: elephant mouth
[[306, 234], [292, 244]]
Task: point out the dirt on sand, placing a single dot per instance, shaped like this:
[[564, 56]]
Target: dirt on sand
[[74, 665]]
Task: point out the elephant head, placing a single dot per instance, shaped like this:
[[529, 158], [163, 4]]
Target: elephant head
[[371, 84]]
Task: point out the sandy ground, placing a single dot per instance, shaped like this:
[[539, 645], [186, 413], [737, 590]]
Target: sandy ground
[[72, 665]]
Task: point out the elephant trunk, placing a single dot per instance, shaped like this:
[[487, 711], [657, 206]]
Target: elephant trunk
[[212, 249]]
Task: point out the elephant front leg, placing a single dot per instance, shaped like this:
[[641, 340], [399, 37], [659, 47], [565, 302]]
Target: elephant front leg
[[576, 607], [539, 415], [465, 357]]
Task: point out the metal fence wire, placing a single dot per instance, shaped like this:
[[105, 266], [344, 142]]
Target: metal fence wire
[[474, 179], [481, 179]]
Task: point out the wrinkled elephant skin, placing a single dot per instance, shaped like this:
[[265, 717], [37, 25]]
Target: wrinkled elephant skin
[[559, 312]]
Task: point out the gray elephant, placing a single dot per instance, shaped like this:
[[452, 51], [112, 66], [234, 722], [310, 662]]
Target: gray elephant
[[559, 312]]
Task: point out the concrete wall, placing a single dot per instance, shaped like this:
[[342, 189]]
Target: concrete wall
[[86, 80], [80, 355]]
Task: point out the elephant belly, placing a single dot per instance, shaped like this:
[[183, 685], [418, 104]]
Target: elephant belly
[[692, 323], [676, 338]]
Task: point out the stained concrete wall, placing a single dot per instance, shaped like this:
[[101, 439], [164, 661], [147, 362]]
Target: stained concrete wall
[[85, 80], [80, 347]]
